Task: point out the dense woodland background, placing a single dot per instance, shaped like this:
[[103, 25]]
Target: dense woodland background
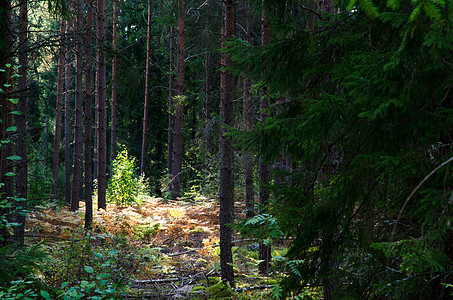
[[320, 130]]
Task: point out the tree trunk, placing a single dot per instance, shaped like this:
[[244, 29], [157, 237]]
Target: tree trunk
[[171, 94], [6, 150], [264, 251], [88, 122], [101, 109], [179, 104], [22, 168], [147, 88], [247, 116], [226, 193], [67, 128], [114, 79], [208, 86], [59, 106], [78, 130]]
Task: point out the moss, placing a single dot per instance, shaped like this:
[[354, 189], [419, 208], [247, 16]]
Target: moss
[[197, 288], [213, 280], [221, 290]]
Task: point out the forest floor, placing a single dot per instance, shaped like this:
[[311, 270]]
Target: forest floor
[[157, 249]]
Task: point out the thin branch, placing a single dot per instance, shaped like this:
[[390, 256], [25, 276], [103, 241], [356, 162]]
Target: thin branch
[[416, 189]]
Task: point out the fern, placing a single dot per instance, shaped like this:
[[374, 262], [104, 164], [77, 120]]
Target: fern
[[293, 267]]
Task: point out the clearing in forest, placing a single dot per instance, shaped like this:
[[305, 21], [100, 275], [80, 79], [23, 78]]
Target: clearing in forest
[[157, 249]]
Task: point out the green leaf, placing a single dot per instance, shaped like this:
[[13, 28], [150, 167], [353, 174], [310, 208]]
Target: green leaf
[[2, 70], [103, 276], [44, 294], [5, 141], [432, 10], [88, 269], [14, 157], [351, 4], [9, 174], [16, 112], [64, 284], [8, 65], [13, 100], [99, 255], [113, 252], [415, 12], [104, 282], [12, 128]]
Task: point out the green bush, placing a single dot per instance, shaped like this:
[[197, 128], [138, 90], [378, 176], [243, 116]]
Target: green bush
[[125, 187]]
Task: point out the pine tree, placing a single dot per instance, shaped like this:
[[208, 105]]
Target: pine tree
[[59, 106], [101, 126], [147, 88], [178, 102], [226, 192], [77, 180], [21, 144], [88, 121]]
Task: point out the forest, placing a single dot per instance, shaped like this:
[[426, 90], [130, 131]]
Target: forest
[[221, 149]]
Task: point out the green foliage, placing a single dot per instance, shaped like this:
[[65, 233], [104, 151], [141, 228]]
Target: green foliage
[[39, 180], [19, 289], [147, 231], [373, 84], [220, 290], [125, 187], [79, 269], [263, 226], [19, 262]]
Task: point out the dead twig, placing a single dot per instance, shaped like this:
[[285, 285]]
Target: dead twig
[[184, 252], [251, 288]]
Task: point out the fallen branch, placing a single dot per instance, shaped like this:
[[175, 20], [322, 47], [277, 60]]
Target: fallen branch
[[150, 281], [251, 288], [184, 252]]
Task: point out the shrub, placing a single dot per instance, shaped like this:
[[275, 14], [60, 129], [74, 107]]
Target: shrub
[[125, 187]]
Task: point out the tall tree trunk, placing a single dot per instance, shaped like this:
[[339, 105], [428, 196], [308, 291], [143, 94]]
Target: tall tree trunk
[[179, 103], [78, 130], [114, 79], [171, 94], [88, 121], [22, 169], [6, 150], [147, 87], [247, 116], [59, 106], [101, 109], [208, 79], [67, 123], [226, 193], [264, 250]]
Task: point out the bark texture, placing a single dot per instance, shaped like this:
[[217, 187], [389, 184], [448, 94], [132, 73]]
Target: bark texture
[[6, 106], [59, 107], [114, 80], [101, 126], [88, 121], [226, 192], [178, 104], [147, 88], [22, 168], [67, 123], [264, 250], [78, 130], [247, 117], [171, 94]]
